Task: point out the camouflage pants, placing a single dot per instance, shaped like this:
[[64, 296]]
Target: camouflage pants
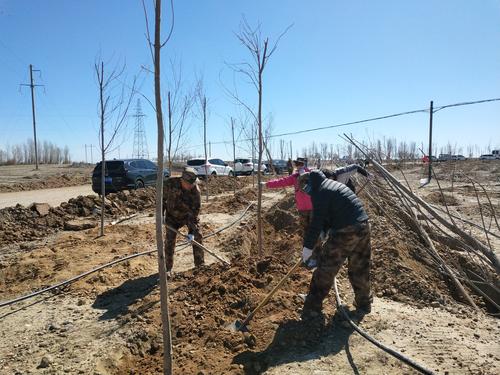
[[351, 243], [171, 236]]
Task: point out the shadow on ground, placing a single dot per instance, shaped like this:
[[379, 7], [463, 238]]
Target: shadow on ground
[[117, 300], [299, 341]]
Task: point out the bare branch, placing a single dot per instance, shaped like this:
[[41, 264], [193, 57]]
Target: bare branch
[[171, 26], [148, 35]]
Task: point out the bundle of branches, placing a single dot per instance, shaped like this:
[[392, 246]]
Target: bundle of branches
[[456, 254]]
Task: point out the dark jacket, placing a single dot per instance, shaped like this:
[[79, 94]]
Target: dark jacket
[[335, 206], [344, 174]]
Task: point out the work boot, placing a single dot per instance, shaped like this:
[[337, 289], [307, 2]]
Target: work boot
[[199, 263], [364, 308], [312, 309]]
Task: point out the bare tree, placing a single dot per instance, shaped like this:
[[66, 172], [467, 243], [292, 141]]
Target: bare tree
[[389, 148], [114, 103], [155, 55], [260, 52], [201, 100], [180, 103]]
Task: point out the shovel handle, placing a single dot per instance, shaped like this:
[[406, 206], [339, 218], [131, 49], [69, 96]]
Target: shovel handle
[[199, 245], [270, 294]]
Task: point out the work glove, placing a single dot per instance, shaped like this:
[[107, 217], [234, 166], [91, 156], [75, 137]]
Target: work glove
[[306, 254], [307, 259], [263, 183], [190, 237]]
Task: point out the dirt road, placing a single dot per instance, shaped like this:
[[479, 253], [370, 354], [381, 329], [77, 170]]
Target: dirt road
[[51, 196]]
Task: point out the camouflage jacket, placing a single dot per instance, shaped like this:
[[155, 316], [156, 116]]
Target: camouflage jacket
[[181, 205]]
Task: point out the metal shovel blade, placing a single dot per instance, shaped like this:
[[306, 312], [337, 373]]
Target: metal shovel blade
[[423, 182], [237, 326]]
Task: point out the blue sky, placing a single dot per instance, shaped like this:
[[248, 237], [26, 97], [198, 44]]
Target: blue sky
[[341, 61]]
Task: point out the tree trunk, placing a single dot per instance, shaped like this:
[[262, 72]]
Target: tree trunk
[[167, 336], [169, 134], [103, 162], [234, 157], [207, 177], [259, 176]]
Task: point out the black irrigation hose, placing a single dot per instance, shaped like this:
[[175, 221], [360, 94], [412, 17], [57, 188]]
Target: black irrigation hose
[[78, 277], [365, 335]]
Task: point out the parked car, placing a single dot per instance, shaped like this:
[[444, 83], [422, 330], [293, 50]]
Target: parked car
[[247, 166], [279, 165], [214, 167], [122, 174], [263, 167], [496, 153], [458, 157], [487, 157], [444, 157]]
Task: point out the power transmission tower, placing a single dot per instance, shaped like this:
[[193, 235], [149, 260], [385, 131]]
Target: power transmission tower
[[32, 85], [140, 150]]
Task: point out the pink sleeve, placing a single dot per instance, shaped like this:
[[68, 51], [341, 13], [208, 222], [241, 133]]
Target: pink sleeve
[[282, 182]]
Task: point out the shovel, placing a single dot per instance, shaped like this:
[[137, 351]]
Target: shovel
[[199, 245], [241, 326]]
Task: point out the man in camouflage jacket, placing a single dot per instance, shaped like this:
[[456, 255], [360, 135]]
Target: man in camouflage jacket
[[181, 205]]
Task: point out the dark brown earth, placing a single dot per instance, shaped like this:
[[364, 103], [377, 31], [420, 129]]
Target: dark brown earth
[[204, 301]]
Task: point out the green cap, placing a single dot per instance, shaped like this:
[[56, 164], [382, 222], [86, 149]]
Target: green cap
[[189, 175]]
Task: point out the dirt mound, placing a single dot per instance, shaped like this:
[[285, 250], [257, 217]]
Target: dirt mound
[[284, 216], [19, 223], [39, 181], [23, 224], [123, 202], [437, 198], [232, 203], [204, 302], [221, 184], [225, 184]]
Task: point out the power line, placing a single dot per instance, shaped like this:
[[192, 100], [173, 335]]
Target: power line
[[466, 103], [372, 119]]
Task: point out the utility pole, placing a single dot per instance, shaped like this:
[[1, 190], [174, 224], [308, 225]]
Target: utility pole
[[86, 154], [210, 149], [431, 111], [291, 153], [32, 86], [91, 157]]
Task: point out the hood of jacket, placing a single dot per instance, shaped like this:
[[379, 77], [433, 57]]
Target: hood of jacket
[[316, 178]]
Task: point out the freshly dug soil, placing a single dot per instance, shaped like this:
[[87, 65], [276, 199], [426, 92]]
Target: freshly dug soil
[[437, 198], [19, 223], [205, 301]]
